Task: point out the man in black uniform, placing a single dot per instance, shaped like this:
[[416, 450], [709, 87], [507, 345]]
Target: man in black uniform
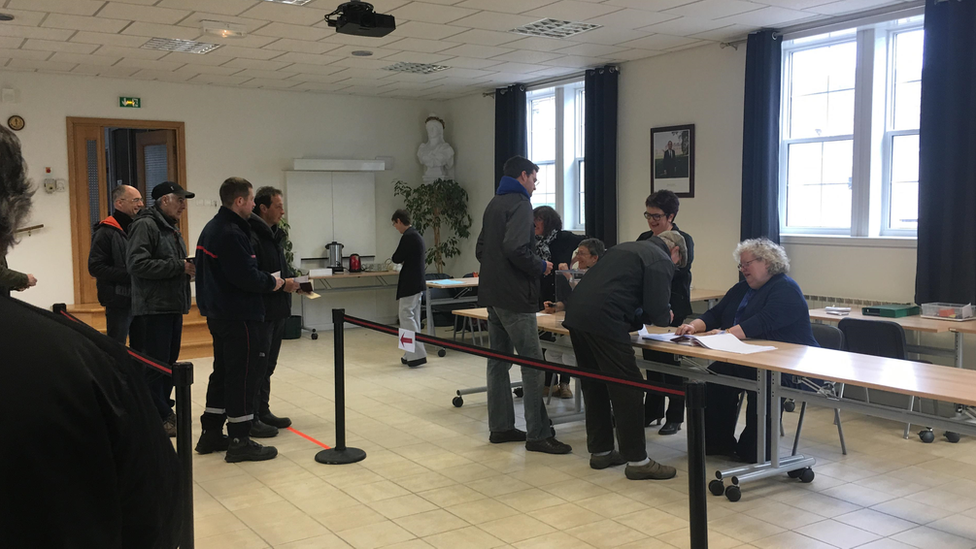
[[411, 284], [268, 238], [229, 294], [106, 261], [628, 287], [92, 467]]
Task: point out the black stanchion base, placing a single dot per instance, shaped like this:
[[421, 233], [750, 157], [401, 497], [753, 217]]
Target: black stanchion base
[[340, 457]]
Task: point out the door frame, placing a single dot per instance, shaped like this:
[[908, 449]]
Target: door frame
[[78, 194]]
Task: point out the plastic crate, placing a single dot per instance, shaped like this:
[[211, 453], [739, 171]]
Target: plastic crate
[[948, 311]]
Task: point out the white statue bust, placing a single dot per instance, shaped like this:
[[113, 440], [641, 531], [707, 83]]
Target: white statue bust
[[436, 154]]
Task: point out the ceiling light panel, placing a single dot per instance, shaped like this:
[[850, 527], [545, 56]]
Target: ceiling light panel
[[416, 68], [185, 46], [554, 28]]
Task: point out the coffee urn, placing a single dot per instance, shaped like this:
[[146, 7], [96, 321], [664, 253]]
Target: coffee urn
[[335, 256]]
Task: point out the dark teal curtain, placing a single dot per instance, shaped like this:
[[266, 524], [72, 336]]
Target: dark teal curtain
[[946, 269], [510, 126], [600, 152], [760, 137]]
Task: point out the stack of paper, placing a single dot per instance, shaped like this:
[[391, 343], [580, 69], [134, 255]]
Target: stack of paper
[[718, 342]]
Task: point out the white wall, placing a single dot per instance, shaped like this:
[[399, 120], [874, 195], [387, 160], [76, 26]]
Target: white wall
[[229, 131]]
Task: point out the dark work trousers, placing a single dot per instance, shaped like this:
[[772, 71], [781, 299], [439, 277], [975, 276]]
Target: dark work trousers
[[117, 322], [654, 402], [239, 355], [276, 330], [159, 338], [608, 403], [720, 418]]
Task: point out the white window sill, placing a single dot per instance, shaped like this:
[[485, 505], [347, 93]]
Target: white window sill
[[849, 241]]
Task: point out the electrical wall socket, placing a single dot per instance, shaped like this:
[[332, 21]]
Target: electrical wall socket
[[50, 185]]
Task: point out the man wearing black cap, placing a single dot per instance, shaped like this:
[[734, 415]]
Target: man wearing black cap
[[157, 262]]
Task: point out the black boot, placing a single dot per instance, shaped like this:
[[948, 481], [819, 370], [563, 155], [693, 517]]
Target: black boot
[[274, 421], [245, 449], [212, 441], [262, 430]]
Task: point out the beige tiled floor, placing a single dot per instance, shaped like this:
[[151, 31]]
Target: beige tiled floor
[[431, 479]]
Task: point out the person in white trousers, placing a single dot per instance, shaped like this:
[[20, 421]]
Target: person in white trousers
[[411, 252]]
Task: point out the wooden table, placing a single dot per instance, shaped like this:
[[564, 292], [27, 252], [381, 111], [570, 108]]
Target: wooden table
[[461, 297], [711, 297], [377, 281]]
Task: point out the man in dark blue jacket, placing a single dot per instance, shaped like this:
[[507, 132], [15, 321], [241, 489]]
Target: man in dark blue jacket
[[509, 286], [106, 261], [229, 294], [411, 284]]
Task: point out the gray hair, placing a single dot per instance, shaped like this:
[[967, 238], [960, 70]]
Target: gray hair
[[672, 239], [770, 252], [15, 189]]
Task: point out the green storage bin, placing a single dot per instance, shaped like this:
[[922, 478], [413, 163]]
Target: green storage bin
[[891, 311]]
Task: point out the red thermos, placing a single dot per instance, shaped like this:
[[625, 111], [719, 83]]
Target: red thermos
[[355, 263]]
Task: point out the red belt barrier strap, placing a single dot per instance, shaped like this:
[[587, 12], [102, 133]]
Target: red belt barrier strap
[[520, 360]]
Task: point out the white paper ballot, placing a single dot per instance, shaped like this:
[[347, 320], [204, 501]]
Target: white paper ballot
[[276, 274], [406, 341], [718, 342]]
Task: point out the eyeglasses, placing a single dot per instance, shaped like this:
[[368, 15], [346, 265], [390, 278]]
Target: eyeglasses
[[134, 200], [747, 263], [655, 217]]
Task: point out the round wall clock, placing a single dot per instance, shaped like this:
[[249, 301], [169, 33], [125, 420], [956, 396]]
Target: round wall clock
[[16, 123]]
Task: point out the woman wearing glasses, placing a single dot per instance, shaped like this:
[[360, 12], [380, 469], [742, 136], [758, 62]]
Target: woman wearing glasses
[[662, 208], [766, 304]]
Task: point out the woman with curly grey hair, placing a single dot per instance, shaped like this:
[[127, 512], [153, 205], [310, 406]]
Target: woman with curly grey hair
[[766, 304]]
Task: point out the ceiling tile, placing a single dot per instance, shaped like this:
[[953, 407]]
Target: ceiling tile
[[48, 66], [210, 59], [378, 53], [151, 30], [77, 22], [659, 42], [258, 64], [795, 4], [194, 69], [850, 6], [315, 69], [484, 37], [70, 7], [631, 19], [249, 53], [219, 79], [270, 83], [10, 42], [769, 16], [474, 63], [386, 6], [471, 50], [731, 32], [35, 55], [488, 20], [309, 77], [85, 59], [575, 61], [298, 32], [421, 45], [591, 50], [539, 43], [608, 36], [149, 64], [162, 75], [249, 41], [109, 39], [417, 57], [307, 58], [285, 14], [365, 82], [504, 6], [320, 87], [519, 68], [715, 9], [466, 73], [430, 13], [130, 53], [34, 32], [376, 74], [49, 45], [196, 18], [650, 5], [224, 7], [527, 56], [301, 46], [362, 63], [148, 14], [429, 31], [260, 73], [572, 10], [24, 17], [107, 72], [683, 26]]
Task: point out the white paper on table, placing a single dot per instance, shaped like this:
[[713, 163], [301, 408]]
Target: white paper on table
[[719, 342], [406, 341], [665, 337]]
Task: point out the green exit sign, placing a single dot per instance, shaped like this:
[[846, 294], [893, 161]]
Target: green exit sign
[[130, 102]]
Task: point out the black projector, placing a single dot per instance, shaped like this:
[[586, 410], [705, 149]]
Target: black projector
[[358, 19]]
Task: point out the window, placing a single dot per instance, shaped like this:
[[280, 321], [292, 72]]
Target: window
[[555, 135], [849, 136]]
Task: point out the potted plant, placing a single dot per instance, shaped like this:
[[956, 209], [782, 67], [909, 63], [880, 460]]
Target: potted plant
[[442, 204]]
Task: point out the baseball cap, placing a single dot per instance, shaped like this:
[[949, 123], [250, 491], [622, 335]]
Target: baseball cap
[[168, 187]]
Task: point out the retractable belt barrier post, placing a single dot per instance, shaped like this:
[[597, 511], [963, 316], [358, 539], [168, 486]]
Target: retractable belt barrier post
[[182, 374], [695, 392], [340, 454]]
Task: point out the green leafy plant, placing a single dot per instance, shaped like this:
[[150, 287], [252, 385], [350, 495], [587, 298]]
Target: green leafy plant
[[286, 244], [442, 204]]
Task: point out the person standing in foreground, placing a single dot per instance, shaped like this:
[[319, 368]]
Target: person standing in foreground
[[106, 261], [509, 288], [628, 287], [92, 467], [412, 253], [267, 239], [229, 294], [160, 273]]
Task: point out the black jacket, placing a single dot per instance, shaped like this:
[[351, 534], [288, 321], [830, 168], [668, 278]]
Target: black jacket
[[561, 248], [155, 256], [629, 286], [510, 269], [268, 244], [92, 467], [106, 261], [229, 283], [681, 283], [412, 252]]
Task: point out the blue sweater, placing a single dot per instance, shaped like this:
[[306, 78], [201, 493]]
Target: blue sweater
[[777, 312]]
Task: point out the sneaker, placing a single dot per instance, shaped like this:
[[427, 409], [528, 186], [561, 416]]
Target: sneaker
[[248, 450], [515, 435], [212, 441], [610, 460], [563, 391], [650, 471], [418, 362], [270, 419], [262, 430], [548, 446], [670, 428], [169, 425]]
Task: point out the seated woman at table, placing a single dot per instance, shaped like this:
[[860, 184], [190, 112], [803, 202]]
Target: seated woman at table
[[766, 305]]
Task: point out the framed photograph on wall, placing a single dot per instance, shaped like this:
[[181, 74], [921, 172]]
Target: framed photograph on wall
[[673, 160]]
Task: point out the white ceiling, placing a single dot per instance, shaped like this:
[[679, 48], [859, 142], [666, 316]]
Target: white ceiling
[[290, 47]]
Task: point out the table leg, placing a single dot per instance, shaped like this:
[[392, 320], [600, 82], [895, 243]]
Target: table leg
[[430, 315]]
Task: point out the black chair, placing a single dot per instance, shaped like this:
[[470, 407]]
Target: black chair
[[828, 337]]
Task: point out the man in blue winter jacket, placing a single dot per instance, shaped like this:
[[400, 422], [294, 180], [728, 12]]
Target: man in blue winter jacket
[[229, 293]]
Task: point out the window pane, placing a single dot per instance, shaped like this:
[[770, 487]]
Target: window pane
[[903, 209], [838, 161], [908, 56], [582, 192], [818, 190], [808, 116], [805, 162], [904, 206], [840, 113], [545, 187], [581, 122], [542, 129], [908, 102], [822, 91], [810, 71], [904, 158], [842, 64]]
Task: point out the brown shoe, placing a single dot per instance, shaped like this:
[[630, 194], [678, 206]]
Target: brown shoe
[[650, 471], [169, 425], [563, 391], [545, 391]]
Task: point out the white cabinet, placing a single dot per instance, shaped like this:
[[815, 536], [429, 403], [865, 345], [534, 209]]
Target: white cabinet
[[326, 206]]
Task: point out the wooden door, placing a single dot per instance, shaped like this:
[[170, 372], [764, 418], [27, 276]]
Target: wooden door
[[89, 202], [155, 160]]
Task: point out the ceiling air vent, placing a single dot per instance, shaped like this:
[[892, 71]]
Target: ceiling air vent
[[554, 28], [416, 68], [185, 46]]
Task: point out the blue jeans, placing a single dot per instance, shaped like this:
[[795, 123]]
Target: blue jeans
[[509, 332]]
